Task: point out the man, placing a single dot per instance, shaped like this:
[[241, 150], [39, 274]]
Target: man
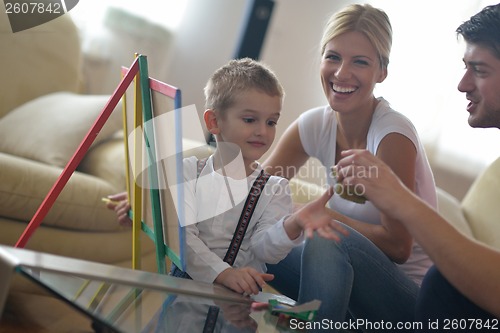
[[464, 283]]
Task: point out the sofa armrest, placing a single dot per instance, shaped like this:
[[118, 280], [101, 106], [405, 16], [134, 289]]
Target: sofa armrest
[[25, 183]]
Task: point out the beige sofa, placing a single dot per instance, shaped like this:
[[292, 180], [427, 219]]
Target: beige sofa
[[43, 119]]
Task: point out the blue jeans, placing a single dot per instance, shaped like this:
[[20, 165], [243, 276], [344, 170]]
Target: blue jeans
[[439, 302], [353, 279]]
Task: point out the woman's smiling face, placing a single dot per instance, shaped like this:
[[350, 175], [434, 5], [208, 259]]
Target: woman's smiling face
[[350, 68]]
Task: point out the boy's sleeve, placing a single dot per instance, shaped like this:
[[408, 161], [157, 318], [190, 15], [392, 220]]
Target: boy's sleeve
[[202, 263], [270, 242]]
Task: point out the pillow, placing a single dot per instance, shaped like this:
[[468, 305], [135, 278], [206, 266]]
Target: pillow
[[107, 161], [50, 128], [481, 208], [449, 208]]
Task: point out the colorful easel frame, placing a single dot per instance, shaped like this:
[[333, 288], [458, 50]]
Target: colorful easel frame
[[77, 157], [144, 91], [142, 114]]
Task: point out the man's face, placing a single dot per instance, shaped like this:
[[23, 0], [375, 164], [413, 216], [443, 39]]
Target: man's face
[[481, 85]]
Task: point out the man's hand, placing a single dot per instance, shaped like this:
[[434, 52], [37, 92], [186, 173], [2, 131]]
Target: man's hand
[[377, 181]]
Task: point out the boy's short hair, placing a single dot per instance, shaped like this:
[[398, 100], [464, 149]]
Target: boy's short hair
[[238, 76]]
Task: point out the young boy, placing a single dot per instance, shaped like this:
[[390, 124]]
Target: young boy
[[243, 105]]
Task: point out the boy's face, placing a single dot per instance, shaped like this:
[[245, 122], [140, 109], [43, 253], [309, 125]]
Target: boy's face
[[250, 123], [481, 84]]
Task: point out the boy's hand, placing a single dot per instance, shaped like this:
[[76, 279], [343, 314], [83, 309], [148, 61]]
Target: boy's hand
[[314, 216], [245, 280], [121, 208]]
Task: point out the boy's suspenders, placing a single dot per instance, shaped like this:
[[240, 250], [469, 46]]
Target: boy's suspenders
[[239, 233], [246, 213]]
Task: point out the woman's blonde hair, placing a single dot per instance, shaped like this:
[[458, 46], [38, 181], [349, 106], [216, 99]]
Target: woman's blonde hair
[[237, 76], [372, 22]]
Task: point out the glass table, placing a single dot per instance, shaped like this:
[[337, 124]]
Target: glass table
[[124, 300]]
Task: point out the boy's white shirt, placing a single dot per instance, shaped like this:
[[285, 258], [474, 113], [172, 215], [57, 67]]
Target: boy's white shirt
[[209, 236]]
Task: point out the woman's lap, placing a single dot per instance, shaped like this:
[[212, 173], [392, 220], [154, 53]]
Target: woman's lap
[[287, 274], [350, 277]]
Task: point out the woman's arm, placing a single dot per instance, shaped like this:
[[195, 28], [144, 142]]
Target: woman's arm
[[399, 153], [473, 268], [395, 149], [288, 156]]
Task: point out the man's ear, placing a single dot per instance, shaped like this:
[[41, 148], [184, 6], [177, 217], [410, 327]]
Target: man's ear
[[211, 121]]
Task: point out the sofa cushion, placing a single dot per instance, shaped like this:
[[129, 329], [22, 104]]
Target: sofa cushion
[[106, 161], [50, 128], [481, 206], [25, 183]]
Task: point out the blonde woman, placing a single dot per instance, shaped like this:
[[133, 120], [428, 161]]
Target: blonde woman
[[459, 288], [375, 271]]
